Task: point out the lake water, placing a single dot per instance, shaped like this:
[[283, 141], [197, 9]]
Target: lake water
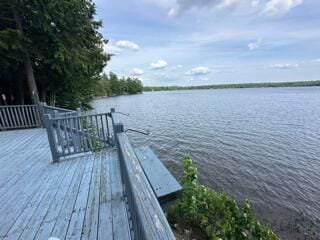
[[261, 143]]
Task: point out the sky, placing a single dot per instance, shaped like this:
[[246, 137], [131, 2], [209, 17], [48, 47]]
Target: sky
[[199, 42]]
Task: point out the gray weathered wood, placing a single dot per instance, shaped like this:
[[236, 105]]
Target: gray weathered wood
[[79, 210], [77, 198], [164, 185], [49, 220], [90, 226], [105, 214], [149, 221], [119, 216], [17, 116]]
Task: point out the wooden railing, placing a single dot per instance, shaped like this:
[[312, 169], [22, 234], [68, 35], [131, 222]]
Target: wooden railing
[[145, 213], [77, 133], [63, 112], [19, 116]]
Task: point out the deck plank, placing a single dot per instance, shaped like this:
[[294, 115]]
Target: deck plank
[[105, 213], [90, 226], [50, 219], [120, 223], [62, 223], [63, 178], [26, 223], [79, 210], [21, 187], [14, 208]]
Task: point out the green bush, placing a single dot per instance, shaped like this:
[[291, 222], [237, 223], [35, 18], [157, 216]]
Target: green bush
[[216, 214]]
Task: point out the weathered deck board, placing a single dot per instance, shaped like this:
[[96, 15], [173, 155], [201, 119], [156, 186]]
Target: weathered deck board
[[105, 214], [148, 217], [78, 198], [49, 220], [164, 185], [119, 209]]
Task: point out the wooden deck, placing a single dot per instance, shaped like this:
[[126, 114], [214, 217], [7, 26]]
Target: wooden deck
[[77, 198]]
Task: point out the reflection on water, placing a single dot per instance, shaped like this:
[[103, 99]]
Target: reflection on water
[[260, 143]]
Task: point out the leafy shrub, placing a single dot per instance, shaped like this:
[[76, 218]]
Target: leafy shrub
[[216, 214]]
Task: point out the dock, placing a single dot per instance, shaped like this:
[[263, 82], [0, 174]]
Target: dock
[[91, 194]]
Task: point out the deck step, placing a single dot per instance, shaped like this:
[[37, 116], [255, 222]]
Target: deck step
[[164, 185]]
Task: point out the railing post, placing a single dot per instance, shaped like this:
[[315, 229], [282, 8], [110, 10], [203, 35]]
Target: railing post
[[78, 112], [55, 114], [51, 138], [41, 112], [117, 126]]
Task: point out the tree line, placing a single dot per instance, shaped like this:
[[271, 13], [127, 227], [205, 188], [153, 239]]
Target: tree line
[[112, 85], [50, 51], [239, 85]]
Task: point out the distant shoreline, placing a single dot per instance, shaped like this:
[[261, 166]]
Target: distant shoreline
[[238, 85]]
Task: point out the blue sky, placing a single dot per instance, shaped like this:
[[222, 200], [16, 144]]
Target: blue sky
[[196, 42]]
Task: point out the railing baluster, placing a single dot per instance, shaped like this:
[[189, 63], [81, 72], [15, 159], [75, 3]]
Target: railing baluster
[[30, 115], [24, 116], [78, 141], [21, 115], [107, 125], [2, 119], [36, 115], [83, 129], [27, 116], [20, 109], [16, 117], [65, 124], [98, 131], [11, 117], [73, 139], [59, 136], [89, 133], [34, 121], [103, 132]]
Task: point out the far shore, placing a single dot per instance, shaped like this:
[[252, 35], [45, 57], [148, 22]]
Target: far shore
[[237, 85]]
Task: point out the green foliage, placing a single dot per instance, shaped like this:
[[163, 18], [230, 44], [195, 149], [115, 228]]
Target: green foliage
[[216, 214], [11, 49], [111, 85], [65, 47], [240, 85]]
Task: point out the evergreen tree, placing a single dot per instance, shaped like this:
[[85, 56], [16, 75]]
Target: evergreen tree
[[58, 42]]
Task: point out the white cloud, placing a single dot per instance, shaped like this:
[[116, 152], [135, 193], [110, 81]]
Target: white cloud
[[284, 65], [273, 7], [174, 11], [255, 3], [227, 3], [198, 79], [110, 48], [269, 7], [159, 64], [198, 71], [127, 44], [317, 60], [137, 71], [255, 45]]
